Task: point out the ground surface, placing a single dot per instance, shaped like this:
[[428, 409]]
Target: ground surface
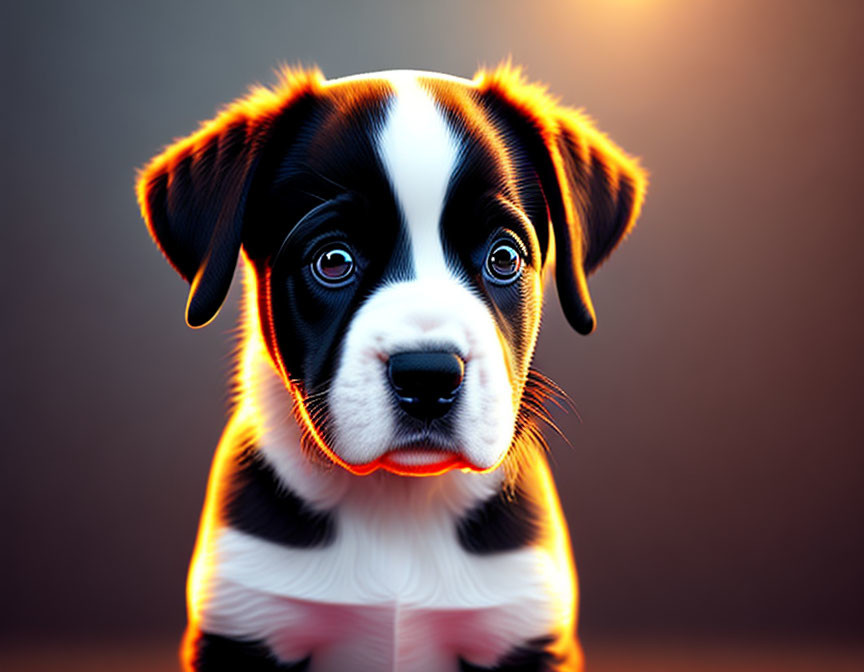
[[602, 657]]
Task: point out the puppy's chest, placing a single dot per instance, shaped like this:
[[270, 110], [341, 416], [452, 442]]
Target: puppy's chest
[[394, 584]]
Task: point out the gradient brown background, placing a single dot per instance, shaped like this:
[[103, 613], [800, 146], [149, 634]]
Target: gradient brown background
[[713, 486]]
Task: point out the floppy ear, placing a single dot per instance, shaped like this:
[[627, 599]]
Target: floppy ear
[[593, 190], [193, 195]]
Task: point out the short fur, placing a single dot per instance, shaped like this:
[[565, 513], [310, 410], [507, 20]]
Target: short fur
[[341, 529]]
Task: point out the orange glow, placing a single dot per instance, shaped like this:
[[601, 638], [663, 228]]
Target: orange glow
[[187, 647], [200, 567], [244, 427]]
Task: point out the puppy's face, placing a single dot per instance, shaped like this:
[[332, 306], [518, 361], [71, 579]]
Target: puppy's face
[[404, 282], [398, 226]]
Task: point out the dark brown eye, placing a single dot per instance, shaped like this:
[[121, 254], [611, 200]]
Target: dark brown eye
[[334, 266], [504, 262]]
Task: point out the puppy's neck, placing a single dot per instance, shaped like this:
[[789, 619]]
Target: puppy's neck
[[264, 412]]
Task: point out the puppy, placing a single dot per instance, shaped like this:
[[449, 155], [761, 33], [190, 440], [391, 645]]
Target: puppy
[[380, 499]]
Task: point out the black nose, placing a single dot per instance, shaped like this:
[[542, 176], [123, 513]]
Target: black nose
[[426, 382]]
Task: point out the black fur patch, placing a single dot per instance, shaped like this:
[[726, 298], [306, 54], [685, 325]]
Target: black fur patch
[[475, 219], [533, 656], [324, 185], [257, 503], [223, 654], [507, 521]]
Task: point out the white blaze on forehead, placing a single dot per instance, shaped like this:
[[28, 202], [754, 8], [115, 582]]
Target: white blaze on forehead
[[419, 153]]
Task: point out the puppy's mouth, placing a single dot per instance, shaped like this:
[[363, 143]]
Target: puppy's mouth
[[411, 460], [425, 451], [421, 461], [416, 458], [423, 454]]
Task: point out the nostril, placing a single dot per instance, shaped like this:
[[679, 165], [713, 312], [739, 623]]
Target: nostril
[[426, 382]]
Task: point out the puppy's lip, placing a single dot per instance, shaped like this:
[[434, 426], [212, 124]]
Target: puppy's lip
[[421, 461], [414, 462], [415, 458], [418, 455]]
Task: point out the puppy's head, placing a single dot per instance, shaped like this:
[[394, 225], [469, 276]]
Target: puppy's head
[[398, 226]]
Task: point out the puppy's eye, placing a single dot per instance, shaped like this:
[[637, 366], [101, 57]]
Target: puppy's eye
[[504, 263], [334, 266]]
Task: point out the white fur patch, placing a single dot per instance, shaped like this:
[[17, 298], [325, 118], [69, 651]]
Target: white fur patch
[[423, 314], [394, 593], [419, 152]]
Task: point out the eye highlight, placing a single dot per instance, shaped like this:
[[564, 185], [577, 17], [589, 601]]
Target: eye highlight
[[334, 266], [504, 262]]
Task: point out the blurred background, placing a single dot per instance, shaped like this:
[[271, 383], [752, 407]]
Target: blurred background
[[714, 482]]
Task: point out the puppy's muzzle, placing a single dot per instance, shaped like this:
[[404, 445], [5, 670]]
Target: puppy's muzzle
[[426, 383]]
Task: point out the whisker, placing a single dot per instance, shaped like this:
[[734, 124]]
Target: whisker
[[327, 179], [540, 389], [309, 193]]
